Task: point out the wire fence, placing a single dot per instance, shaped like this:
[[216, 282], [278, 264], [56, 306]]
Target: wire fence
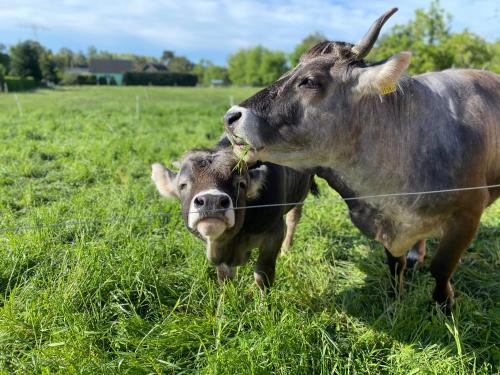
[[114, 219]]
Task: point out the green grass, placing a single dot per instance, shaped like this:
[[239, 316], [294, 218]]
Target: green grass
[[138, 296]]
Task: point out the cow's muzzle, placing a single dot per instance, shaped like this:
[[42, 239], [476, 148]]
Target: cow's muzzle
[[211, 213]]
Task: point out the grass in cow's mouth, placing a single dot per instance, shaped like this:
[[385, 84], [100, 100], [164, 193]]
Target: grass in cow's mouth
[[241, 165]]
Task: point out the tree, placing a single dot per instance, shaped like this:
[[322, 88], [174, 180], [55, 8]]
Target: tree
[[272, 66], [215, 72], [494, 64], [25, 59], [433, 46], [80, 59], [180, 64], [308, 42], [206, 71], [48, 67], [65, 58], [468, 50], [167, 56], [91, 53], [3, 73], [237, 67], [256, 66], [4, 58]]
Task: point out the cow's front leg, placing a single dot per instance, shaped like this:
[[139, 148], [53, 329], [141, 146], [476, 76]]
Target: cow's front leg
[[225, 272], [460, 232], [397, 265], [265, 267]]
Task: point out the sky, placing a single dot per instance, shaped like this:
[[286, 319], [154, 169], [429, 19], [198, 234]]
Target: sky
[[213, 29]]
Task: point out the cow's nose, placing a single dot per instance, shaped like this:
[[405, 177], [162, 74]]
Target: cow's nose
[[210, 202], [231, 117], [199, 201]]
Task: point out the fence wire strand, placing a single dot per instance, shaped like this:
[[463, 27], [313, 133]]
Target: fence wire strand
[[24, 228]]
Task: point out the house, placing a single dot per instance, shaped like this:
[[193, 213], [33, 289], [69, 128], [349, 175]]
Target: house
[[154, 68], [110, 70], [78, 69]]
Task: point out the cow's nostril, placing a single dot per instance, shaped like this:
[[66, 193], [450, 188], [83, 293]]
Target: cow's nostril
[[199, 202], [231, 117], [224, 202]]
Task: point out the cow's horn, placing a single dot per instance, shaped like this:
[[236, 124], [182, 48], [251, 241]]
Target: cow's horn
[[363, 47]]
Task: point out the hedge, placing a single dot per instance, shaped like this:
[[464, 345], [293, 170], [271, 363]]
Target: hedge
[[79, 79], [20, 84], [159, 79]]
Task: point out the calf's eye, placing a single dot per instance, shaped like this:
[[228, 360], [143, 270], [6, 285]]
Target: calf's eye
[[242, 185], [182, 186]]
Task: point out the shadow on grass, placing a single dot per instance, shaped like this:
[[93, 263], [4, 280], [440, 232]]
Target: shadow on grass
[[413, 318]]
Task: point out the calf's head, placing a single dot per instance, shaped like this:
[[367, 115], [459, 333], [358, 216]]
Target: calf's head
[[311, 111], [212, 190]]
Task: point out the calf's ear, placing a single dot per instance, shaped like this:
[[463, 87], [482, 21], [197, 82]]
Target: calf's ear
[[256, 181], [383, 78], [165, 180]]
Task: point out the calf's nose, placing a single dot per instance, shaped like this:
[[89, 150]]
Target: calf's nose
[[209, 202], [231, 117]]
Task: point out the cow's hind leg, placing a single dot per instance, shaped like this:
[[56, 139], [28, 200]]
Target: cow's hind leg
[[292, 219], [416, 255], [397, 265], [458, 235]]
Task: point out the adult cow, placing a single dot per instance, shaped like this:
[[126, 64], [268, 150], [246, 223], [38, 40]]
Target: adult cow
[[369, 129]]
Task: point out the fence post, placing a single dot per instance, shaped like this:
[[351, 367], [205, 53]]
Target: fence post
[[137, 108]]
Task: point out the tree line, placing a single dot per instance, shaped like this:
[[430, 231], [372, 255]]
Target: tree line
[[428, 35]]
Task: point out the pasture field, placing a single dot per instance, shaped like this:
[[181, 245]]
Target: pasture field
[[122, 289]]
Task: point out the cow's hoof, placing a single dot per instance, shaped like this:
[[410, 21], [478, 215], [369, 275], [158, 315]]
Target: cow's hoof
[[444, 299]]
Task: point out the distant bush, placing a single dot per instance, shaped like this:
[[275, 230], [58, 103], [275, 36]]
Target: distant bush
[[159, 79], [79, 79], [112, 81], [102, 81], [20, 84]]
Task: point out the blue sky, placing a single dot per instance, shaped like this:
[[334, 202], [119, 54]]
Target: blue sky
[[214, 29]]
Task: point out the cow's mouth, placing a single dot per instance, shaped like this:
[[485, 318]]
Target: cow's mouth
[[211, 227]]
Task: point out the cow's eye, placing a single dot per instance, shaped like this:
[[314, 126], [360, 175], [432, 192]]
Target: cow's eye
[[182, 186], [242, 185], [309, 83]]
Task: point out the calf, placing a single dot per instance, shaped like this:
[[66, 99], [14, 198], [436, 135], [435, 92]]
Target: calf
[[214, 192]]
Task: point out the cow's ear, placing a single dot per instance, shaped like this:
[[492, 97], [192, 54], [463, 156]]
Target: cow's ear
[[257, 180], [383, 78], [165, 180]]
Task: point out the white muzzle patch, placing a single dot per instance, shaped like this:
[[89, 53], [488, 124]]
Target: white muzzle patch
[[211, 226]]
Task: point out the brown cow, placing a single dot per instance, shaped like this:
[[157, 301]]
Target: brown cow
[[369, 129]]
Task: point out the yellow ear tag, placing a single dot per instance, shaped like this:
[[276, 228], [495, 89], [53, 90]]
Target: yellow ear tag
[[387, 90]]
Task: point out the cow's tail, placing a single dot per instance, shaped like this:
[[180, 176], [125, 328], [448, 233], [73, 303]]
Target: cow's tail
[[314, 188]]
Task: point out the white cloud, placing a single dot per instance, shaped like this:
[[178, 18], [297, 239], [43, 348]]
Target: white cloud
[[219, 26]]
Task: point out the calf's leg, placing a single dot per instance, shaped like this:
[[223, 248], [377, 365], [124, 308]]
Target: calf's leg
[[292, 219], [266, 262], [458, 235], [397, 265], [416, 255], [225, 272]]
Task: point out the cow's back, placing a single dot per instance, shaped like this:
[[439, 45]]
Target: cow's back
[[473, 98]]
